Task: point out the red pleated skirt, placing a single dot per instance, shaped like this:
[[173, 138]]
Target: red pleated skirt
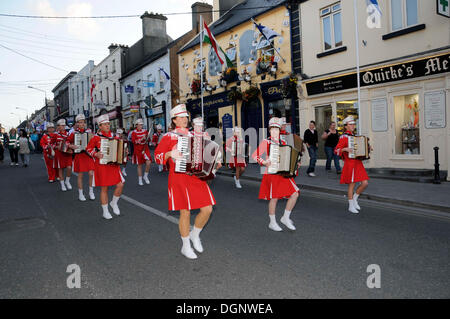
[[353, 172], [276, 186], [107, 175], [83, 163], [62, 160], [140, 155]]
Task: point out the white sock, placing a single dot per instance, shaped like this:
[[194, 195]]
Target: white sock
[[146, 175], [114, 201], [196, 232], [105, 209], [272, 218], [140, 179], [287, 214], [186, 242], [355, 196], [80, 192], [62, 184], [91, 189], [67, 179]]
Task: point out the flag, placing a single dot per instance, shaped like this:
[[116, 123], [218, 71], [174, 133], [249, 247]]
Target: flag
[[165, 73], [375, 5], [268, 33], [374, 14], [92, 89], [208, 37]]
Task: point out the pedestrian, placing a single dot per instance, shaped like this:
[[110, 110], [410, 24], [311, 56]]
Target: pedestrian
[[235, 148], [311, 140], [186, 192], [49, 152], [2, 144], [34, 138], [331, 138], [82, 163], [13, 147], [105, 175], [353, 171], [141, 151], [62, 159], [274, 186], [130, 143], [26, 146]]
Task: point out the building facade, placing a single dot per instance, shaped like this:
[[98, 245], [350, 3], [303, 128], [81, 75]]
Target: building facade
[[106, 95], [79, 94], [404, 76], [250, 91], [62, 98]]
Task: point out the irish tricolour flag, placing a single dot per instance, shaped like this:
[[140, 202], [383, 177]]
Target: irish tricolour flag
[[208, 37]]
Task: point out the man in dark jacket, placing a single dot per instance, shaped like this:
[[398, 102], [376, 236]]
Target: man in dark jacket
[[311, 140]]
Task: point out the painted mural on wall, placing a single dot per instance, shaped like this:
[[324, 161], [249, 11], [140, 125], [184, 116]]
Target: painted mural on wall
[[247, 49]]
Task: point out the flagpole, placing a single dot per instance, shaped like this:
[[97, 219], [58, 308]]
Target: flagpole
[[357, 63], [201, 63], [273, 46]]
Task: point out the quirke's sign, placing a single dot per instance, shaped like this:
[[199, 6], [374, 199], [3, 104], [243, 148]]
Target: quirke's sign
[[397, 72]]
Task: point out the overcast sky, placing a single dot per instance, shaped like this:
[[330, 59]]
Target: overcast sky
[[67, 44]]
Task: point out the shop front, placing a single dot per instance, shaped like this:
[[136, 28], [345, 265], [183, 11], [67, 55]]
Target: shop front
[[404, 110], [115, 118], [157, 115]]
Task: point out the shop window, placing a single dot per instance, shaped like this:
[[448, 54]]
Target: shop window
[[323, 118], [281, 108], [344, 109], [406, 117]]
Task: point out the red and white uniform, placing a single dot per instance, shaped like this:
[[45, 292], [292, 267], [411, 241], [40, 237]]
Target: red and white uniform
[[155, 138], [61, 160], [185, 191], [141, 151], [104, 174], [353, 170], [47, 150], [236, 161], [82, 161], [273, 185]]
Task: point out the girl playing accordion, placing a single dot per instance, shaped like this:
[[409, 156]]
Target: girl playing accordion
[[235, 147], [274, 186]]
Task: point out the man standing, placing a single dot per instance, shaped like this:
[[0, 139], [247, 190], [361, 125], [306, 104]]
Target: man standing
[[13, 146], [312, 142], [2, 144]]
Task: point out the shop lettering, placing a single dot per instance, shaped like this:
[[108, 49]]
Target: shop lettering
[[273, 90], [210, 103], [383, 75], [436, 65]]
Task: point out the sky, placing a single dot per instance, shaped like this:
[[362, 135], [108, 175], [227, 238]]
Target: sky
[[66, 45]]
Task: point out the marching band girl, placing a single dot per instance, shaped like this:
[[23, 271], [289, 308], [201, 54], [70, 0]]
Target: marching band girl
[[353, 171], [82, 162], [120, 133], [61, 159], [105, 175], [186, 192], [48, 151], [141, 151], [157, 136], [274, 186], [237, 161]]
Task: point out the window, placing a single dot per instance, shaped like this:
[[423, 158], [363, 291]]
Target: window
[[100, 76], [331, 26], [404, 13], [113, 66], [115, 93], [101, 96], [106, 72], [73, 96], [107, 96], [78, 94], [162, 78], [82, 91], [138, 89], [406, 118]]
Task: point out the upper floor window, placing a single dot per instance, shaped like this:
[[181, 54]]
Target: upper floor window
[[113, 66], [100, 76], [404, 13], [331, 26], [106, 72]]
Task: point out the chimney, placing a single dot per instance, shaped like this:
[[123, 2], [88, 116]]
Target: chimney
[[112, 47], [153, 25], [201, 9]]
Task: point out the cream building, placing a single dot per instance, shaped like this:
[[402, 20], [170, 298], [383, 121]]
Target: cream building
[[404, 75]]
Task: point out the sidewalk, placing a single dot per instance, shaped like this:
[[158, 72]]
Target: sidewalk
[[413, 194]]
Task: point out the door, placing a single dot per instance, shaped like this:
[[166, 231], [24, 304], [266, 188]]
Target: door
[[251, 117], [323, 116]]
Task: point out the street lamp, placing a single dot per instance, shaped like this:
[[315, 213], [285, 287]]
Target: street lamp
[[46, 106]]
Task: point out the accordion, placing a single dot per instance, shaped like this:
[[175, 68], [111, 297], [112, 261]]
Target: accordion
[[114, 151], [284, 159], [201, 157], [64, 147], [81, 140], [360, 146]]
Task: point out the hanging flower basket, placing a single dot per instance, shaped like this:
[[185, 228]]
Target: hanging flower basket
[[251, 93], [264, 64], [230, 75], [289, 86], [235, 95], [195, 87]]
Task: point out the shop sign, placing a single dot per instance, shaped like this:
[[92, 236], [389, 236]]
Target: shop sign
[[212, 101], [397, 72], [154, 111], [129, 89], [435, 109], [271, 90], [443, 8]]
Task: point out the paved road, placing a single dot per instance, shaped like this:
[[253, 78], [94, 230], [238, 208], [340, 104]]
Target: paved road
[[137, 255]]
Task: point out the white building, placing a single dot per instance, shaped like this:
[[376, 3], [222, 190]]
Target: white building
[[79, 94], [405, 77], [106, 95]]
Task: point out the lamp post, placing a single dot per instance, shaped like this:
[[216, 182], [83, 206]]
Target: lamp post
[[45, 93]]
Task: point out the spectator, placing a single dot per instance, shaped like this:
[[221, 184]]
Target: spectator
[[13, 146], [331, 138], [2, 144], [34, 137], [25, 147], [312, 142]]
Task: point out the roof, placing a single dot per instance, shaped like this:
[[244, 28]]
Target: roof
[[240, 13], [67, 77]]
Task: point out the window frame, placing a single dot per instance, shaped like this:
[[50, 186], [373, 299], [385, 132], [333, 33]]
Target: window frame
[[404, 16], [331, 13]]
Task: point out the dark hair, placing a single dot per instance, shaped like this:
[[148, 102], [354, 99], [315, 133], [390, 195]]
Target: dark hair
[[24, 134], [173, 126], [313, 122]]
